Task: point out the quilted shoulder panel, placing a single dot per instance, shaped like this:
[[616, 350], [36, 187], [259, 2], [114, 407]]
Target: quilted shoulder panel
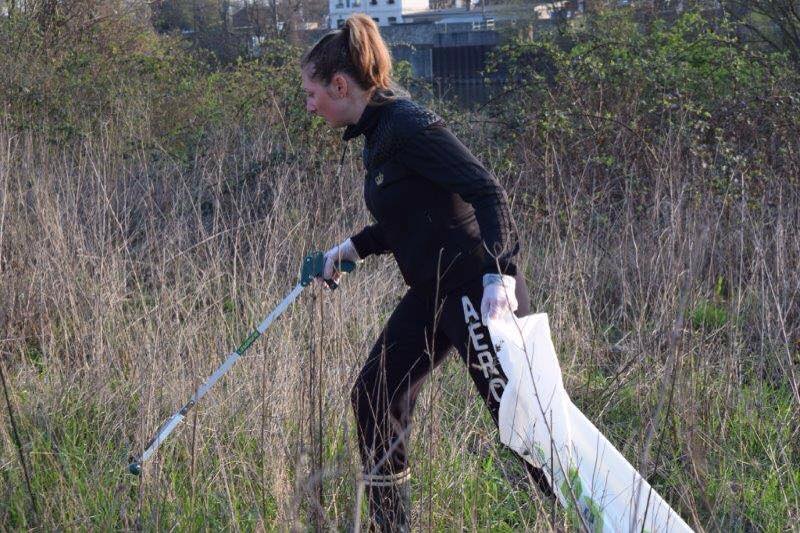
[[402, 121]]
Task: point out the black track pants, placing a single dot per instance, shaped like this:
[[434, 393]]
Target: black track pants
[[420, 333]]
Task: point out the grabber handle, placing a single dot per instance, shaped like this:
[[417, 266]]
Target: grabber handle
[[313, 266], [346, 266], [341, 266]]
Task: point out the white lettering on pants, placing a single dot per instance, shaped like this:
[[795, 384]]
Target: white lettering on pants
[[486, 361], [486, 364], [497, 386], [469, 311], [476, 337]]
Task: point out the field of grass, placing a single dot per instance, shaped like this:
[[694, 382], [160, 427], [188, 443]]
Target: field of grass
[[143, 238], [125, 281]]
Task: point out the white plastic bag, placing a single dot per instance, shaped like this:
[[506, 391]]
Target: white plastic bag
[[538, 421]]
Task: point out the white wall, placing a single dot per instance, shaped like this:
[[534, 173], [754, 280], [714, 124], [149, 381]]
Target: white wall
[[415, 5], [382, 10]]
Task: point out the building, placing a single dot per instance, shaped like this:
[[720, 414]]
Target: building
[[384, 12], [449, 48], [481, 16]]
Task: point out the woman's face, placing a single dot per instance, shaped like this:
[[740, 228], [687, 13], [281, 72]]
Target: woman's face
[[322, 100]]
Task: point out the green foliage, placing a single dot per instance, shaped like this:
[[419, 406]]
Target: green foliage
[[572, 488], [711, 314], [402, 72], [118, 70], [752, 487], [484, 496], [769, 24], [707, 315], [614, 87], [730, 443]]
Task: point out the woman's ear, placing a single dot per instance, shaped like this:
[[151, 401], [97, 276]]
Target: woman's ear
[[339, 86]]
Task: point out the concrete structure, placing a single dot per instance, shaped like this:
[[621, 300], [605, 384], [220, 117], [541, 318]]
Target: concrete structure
[[448, 48], [384, 12], [485, 17]]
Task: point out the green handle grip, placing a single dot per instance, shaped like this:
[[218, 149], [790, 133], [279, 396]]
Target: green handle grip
[[341, 266], [346, 266], [313, 266]]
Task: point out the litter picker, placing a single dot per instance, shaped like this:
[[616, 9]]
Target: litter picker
[[313, 265]]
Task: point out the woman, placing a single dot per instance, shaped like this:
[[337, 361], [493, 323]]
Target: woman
[[445, 219]]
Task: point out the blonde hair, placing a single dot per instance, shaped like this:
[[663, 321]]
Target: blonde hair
[[357, 50]]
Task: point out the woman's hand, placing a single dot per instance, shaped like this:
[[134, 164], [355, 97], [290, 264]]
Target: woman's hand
[[341, 252], [498, 296]]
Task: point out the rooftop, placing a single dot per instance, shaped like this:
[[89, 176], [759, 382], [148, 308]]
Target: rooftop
[[497, 12]]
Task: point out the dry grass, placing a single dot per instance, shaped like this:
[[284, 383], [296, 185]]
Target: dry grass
[[125, 278]]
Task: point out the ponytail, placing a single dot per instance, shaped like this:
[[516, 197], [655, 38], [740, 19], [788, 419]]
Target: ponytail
[[368, 52], [357, 50]]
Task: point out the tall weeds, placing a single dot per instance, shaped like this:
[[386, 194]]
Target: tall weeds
[[133, 257]]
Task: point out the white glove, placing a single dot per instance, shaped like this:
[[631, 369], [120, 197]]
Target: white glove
[[498, 296], [341, 252]]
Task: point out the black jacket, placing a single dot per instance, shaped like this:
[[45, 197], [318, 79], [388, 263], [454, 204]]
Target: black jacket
[[436, 208]]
